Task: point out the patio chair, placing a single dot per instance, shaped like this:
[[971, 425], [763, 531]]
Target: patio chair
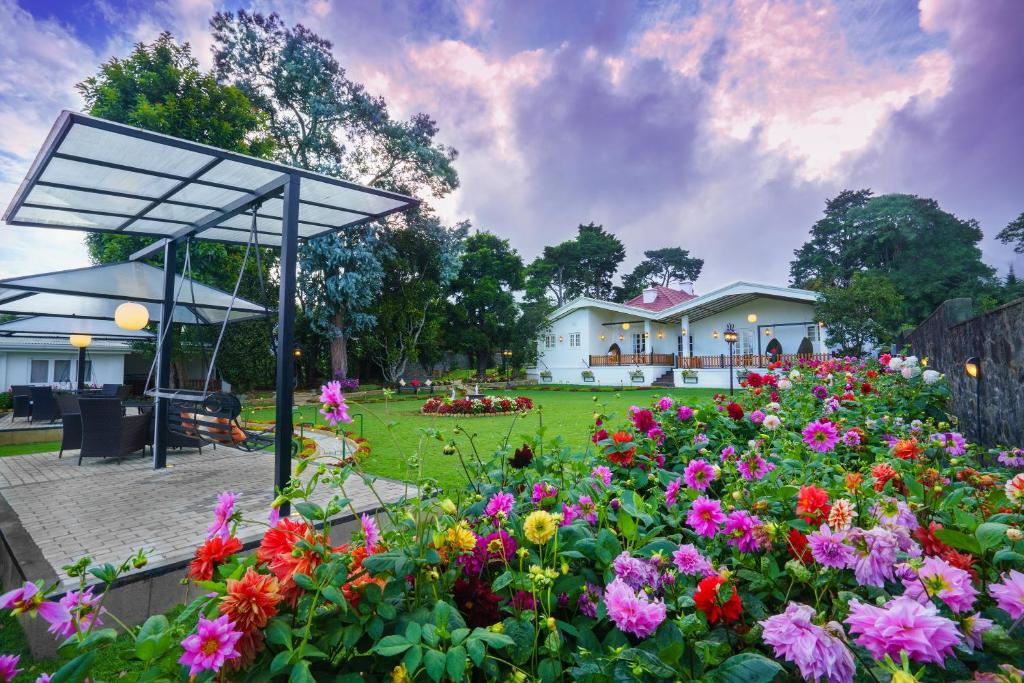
[[175, 439], [107, 433], [71, 418], [22, 401], [44, 405], [110, 390]]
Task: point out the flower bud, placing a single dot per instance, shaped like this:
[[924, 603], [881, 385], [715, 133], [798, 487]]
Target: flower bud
[[551, 624], [448, 506], [498, 627]]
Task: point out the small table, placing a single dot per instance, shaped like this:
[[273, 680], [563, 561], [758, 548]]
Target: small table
[[141, 405]]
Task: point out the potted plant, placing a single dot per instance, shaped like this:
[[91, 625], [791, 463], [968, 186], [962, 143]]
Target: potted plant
[[636, 375], [689, 376], [545, 375], [588, 375]]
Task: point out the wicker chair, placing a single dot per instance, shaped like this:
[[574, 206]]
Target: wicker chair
[[22, 401], [110, 390], [44, 405], [107, 433], [71, 418]]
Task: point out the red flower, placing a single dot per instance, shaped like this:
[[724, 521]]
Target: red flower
[[798, 546], [907, 449], [812, 503], [963, 561], [735, 411], [883, 472], [477, 602], [353, 590], [853, 481], [277, 550], [619, 454], [754, 380], [928, 540], [866, 388], [644, 421], [775, 396], [708, 600], [250, 603], [215, 551]]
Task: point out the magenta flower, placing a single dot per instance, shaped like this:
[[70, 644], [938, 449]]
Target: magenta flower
[[590, 598], [821, 436], [1009, 593], [814, 650], [938, 578], [543, 493], [705, 516], [371, 532], [757, 417], [851, 438], [875, 555], [973, 627], [570, 513], [274, 516], [753, 467], [222, 515], [684, 413], [602, 474], [688, 560], [588, 509], [739, 527], [637, 572], [632, 612], [500, 503], [829, 549], [213, 643], [903, 624], [334, 409], [699, 474], [29, 600], [665, 403], [9, 667], [672, 492], [82, 606], [43, 678]]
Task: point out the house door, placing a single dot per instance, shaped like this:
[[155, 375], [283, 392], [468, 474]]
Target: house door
[[774, 349], [613, 353], [805, 348]]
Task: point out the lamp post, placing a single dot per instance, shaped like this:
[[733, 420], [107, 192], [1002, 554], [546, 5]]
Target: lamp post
[[730, 338], [505, 356], [80, 342], [972, 366]]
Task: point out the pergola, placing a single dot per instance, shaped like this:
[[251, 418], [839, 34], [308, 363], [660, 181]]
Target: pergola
[[98, 176]]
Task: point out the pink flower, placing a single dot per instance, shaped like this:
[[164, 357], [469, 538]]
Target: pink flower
[[973, 627], [334, 408], [632, 613], [672, 492], [688, 560], [821, 436], [851, 438], [684, 413], [29, 600], [213, 643], [8, 667], [274, 517], [757, 417], [543, 493], [81, 607], [222, 515], [699, 474], [739, 527], [829, 549], [753, 467], [876, 555], [665, 403], [705, 516], [637, 572], [903, 624], [1009, 593], [371, 532], [602, 474], [816, 652], [938, 578], [500, 503]]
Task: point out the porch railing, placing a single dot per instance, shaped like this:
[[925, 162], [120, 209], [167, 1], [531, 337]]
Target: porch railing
[[634, 359], [748, 360]]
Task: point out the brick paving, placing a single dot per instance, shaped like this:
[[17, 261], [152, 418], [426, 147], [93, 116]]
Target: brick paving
[[107, 510]]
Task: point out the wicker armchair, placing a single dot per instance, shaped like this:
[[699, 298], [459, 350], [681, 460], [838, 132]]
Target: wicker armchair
[[71, 418], [44, 405], [107, 433], [22, 401]]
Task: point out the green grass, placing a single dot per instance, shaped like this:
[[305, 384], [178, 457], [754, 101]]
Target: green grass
[[24, 448], [395, 432]]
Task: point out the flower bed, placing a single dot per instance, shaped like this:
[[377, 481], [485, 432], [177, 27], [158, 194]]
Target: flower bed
[[488, 405], [826, 524]]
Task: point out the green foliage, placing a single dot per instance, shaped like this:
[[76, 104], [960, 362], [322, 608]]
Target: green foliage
[[582, 266], [1013, 234], [867, 311], [6, 400], [661, 267], [927, 254]]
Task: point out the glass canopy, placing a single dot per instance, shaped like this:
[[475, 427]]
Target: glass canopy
[[99, 176], [97, 291], [35, 326]]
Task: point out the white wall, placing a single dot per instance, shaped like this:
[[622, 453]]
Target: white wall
[[107, 368], [613, 375], [769, 312]]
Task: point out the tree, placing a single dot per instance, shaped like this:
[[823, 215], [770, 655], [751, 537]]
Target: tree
[[326, 122], [422, 261], [1013, 234], [660, 267], [866, 311], [483, 312], [929, 255], [582, 266]]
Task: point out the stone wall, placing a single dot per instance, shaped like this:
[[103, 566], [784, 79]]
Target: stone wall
[[950, 336]]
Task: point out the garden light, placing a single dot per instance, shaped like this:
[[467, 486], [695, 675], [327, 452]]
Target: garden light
[[973, 367], [752, 318], [80, 341], [131, 316], [714, 334]]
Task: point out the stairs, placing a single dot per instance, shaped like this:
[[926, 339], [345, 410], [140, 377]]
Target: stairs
[[667, 380]]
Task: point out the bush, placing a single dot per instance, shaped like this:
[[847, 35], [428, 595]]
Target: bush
[[488, 405], [6, 400]]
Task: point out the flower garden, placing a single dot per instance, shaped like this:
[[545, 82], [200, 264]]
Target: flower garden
[[487, 405], [827, 523]]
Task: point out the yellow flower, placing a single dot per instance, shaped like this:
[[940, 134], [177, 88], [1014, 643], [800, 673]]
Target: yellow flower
[[460, 538], [400, 674], [539, 527]]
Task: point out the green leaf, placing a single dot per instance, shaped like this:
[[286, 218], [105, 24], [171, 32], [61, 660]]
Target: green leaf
[[1006, 555], [607, 547], [477, 651], [549, 670], [502, 581], [310, 510], [493, 639], [521, 632], [300, 673], [650, 662], [913, 485], [459, 635], [456, 662], [627, 525], [991, 534], [280, 662], [76, 670], [434, 662], [413, 632], [959, 540], [391, 646], [279, 633], [413, 657], [746, 668], [304, 581]]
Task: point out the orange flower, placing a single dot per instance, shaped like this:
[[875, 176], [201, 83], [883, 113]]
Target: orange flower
[[277, 550], [854, 481], [250, 603], [907, 449], [812, 503], [215, 551], [619, 456], [353, 590], [883, 472]]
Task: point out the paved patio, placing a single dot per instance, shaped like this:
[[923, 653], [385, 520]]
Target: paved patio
[[8, 422], [108, 510]]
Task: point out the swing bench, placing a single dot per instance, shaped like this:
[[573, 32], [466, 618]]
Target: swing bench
[[213, 416]]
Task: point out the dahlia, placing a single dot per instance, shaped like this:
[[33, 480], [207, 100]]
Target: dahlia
[[688, 560], [753, 467], [739, 527], [500, 503], [1014, 458], [460, 538], [973, 627], [851, 438], [637, 572], [699, 474], [665, 403], [772, 422], [757, 417], [222, 515], [797, 546], [672, 492], [478, 604], [816, 652], [539, 527], [705, 516], [953, 442], [643, 420], [812, 504], [828, 548], [894, 513], [83, 613], [684, 413], [1009, 593], [620, 454], [903, 624], [543, 493], [249, 604], [590, 598], [840, 517], [9, 668], [371, 532], [882, 473], [277, 550], [821, 436], [709, 600], [213, 644], [632, 612], [876, 555], [521, 458], [30, 600], [735, 411], [1015, 489], [907, 449], [938, 578], [602, 474], [333, 404]]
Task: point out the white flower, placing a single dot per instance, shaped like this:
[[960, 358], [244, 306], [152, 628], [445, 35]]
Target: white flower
[[774, 406], [772, 422], [785, 384], [795, 374], [910, 360], [931, 376], [896, 363], [909, 371]]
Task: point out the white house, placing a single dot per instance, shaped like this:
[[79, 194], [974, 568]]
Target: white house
[[671, 337], [53, 361]]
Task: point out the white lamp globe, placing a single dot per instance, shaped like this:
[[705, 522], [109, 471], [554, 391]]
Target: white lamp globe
[[131, 316], [80, 341]]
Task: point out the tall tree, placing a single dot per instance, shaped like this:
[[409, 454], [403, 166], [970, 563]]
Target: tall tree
[[928, 254], [1013, 234], [328, 123], [866, 311], [582, 266], [660, 267], [483, 312]]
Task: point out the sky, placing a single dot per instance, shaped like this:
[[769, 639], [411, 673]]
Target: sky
[[720, 127]]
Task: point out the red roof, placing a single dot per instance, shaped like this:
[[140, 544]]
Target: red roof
[[666, 298]]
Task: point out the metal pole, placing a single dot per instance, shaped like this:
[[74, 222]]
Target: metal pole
[[286, 338], [730, 368], [977, 412], [81, 369], [165, 341]]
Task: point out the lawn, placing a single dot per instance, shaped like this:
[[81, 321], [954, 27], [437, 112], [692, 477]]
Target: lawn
[[397, 431], [23, 448]]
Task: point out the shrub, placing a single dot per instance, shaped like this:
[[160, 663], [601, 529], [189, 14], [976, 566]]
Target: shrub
[[6, 400], [488, 405]]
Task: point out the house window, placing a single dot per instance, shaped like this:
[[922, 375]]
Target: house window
[[40, 372], [61, 371], [812, 332], [574, 340], [639, 343], [679, 344], [549, 341], [746, 343]]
